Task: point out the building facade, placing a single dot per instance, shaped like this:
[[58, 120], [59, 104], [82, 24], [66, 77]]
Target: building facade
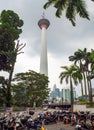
[[66, 95]]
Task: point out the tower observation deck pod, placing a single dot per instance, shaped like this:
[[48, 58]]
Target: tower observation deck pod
[[43, 24]]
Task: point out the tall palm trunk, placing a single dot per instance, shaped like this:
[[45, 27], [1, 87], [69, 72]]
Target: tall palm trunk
[[82, 89], [90, 91], [89, 87], [88, 83], [71, 94], [84, 77]]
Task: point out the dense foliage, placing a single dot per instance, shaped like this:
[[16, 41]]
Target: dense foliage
[[30, 87], [10, 29]]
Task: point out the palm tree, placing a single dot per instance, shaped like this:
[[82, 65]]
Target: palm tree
[[71, 7], [79, 58], [90, 71], [86, 62], [91, 57], [87, 73], [70, 75]]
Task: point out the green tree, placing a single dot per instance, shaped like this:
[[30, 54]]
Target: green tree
[[19, 96], [2, 90], [85, 61], [35, 86], [91, 57], [89, 64], [10, 29], [70, 7], [78, 58], [71, 75]]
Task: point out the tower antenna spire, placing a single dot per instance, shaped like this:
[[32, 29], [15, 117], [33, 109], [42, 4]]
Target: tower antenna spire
[[43, 15]]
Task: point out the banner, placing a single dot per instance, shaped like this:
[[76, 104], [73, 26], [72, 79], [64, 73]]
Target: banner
[[9, 109]]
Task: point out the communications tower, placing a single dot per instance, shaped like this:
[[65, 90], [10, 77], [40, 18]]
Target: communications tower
[[43, 24]]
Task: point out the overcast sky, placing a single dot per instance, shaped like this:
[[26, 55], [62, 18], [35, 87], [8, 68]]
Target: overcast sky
[[62, 38]]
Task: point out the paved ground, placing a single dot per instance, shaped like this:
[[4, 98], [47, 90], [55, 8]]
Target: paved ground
[[59, 126]]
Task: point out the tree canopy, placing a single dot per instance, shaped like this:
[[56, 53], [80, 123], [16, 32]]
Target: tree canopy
[[10, 29], [34, 86], [10, 47]]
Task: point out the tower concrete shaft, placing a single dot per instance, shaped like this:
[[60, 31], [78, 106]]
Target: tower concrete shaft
[[43, 24]]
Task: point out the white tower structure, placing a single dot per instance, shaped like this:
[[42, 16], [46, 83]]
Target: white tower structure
[[43, 24]]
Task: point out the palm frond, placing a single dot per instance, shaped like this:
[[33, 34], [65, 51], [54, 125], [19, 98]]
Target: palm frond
[[81, 9], [70, 12], [58, 12], [47, 4]]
